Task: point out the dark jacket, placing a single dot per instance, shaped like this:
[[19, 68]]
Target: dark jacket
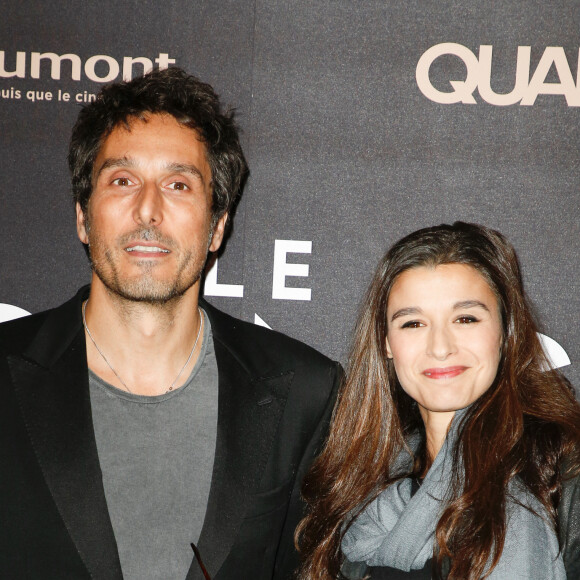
[[275, 400]]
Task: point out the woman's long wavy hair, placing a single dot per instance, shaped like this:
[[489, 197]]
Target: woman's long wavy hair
[[526, 424]]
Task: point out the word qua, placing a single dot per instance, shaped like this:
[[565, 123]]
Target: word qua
[[99, 68], [525, 91]]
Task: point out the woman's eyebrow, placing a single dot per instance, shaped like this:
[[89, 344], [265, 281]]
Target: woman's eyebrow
[[406, 312], [469, 304]]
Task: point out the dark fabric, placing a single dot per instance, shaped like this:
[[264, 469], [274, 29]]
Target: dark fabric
[[275, 400], [569, 527], [386, 573]]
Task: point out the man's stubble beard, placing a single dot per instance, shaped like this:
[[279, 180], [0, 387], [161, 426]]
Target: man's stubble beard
[[145, 288]]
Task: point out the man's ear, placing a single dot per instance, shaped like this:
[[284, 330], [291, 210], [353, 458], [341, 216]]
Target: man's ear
[[81, 225], [218, 233]]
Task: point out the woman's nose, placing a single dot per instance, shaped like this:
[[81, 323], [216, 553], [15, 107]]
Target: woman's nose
[[441, 342]]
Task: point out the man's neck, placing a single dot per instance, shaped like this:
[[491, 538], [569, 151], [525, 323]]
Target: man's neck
[[140, 347]]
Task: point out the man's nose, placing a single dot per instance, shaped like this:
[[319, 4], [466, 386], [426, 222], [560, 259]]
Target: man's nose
[[148, 210]]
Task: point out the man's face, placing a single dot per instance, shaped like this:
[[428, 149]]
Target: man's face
[[148, 222]]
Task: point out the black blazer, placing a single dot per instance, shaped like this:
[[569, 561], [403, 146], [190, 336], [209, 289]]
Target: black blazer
[[275, 400]]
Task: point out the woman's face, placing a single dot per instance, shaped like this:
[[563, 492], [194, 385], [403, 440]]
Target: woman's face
[[444, 336]]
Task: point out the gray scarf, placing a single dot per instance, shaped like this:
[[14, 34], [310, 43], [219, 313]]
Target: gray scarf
[[398, 530]]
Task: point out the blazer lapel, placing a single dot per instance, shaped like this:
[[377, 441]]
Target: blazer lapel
[[249, 410], [51, 383]]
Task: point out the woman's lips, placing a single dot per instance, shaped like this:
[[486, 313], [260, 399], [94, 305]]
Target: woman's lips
[[444, 372]]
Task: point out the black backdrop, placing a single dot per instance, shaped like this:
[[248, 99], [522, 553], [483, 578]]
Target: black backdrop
[[351, 144]]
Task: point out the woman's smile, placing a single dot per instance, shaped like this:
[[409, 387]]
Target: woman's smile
[[444, 372]]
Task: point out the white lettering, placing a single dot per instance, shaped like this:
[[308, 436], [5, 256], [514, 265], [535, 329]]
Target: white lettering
[[479, 73], [85, 97], [10, 93], [128, 63], [555, 353], [212, 287], [164, 61], [553, 55], [111, 62], [39, 96], [106, 74], [260, 321], [55, 63], [282, 269], [19, 71], [462, 90], [9, 312], [522, 76]]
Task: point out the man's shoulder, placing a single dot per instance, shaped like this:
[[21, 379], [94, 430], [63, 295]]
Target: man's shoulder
[[16, 335], [252, 342]]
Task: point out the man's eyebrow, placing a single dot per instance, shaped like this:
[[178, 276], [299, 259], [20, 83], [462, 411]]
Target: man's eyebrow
[[469, 304], [184, 168], [119, 162], [405, 312], [114, 162]]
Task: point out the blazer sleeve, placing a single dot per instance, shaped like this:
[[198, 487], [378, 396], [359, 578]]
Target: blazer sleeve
[[288, 561]]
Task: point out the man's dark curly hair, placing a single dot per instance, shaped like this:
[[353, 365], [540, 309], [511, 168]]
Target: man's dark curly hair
[[172, 91]]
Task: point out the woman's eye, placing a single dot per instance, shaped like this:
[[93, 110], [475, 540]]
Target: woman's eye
[[412, 324], [466, 319]]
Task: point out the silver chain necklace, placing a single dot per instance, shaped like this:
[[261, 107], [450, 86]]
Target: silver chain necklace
[[117, 374]]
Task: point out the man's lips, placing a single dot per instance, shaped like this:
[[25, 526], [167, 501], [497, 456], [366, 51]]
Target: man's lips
[[444, 372], [146, 248]]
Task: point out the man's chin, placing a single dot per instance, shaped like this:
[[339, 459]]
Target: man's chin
[[153, 293]]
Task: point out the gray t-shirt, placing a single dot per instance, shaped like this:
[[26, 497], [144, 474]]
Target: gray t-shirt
[[157, 455]]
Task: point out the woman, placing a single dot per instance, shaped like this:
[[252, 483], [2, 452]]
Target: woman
[[453, 441]]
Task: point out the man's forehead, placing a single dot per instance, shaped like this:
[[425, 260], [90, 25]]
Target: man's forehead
[[145, 120], [151, 130]]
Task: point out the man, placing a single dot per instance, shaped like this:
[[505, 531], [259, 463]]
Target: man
[[138, 423]]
